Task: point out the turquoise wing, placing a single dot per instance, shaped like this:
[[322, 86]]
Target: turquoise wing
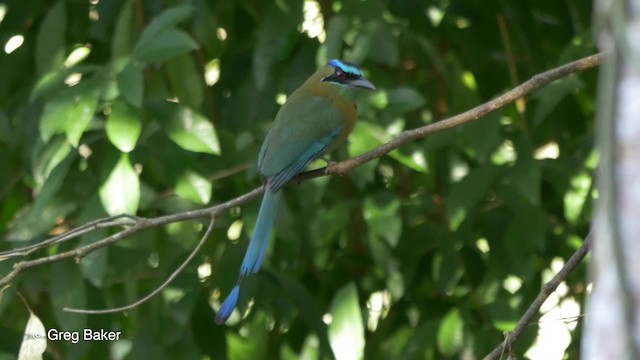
[[305, 127]]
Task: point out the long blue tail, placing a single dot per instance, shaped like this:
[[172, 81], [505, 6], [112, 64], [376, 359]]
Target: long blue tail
[[255, 252]]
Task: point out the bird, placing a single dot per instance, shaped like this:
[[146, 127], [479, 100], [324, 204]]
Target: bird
[[316, 118]]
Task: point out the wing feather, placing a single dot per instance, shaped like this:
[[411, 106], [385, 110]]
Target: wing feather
[[305, 127]]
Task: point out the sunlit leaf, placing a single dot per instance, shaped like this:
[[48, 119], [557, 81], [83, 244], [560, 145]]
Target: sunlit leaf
[[34, 341], [346, 331], [253, 344], [577, 196], [450, 333], [123, 126], [120, 192], [79, 118], [71, 111], [46, 158], [187, 128], [193, 186]]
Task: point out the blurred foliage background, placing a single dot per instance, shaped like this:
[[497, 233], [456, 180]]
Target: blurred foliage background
[[160, 106]]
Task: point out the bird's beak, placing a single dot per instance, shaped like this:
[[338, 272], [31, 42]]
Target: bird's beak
[[363, 83]]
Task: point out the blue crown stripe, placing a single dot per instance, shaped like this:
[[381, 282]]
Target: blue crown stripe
[[350, 69]]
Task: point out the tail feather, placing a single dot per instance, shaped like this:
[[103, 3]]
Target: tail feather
[[258, 244], [255, 252], [228, 305]]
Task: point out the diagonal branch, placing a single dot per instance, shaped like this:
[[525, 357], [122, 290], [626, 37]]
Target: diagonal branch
[[166, 283], [534, 308]]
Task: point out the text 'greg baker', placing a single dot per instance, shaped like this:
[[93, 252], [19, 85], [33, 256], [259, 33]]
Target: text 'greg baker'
[[87, 335]]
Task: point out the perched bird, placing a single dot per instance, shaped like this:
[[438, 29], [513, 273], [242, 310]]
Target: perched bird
[[316, 118]]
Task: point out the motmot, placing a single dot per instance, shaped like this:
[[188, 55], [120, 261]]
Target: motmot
[[316, 118]]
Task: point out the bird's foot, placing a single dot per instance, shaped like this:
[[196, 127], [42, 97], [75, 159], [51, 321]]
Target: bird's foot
[[330, 164]]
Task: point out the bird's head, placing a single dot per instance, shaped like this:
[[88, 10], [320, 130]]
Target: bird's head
[[348, 78]]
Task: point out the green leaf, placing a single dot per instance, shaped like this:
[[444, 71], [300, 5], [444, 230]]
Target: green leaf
[[450, 334], [47, 157], [308, 307], [168, 19], [54, 180], [30, 224], [52, 83], [403, 100], [416, 161], [362, 47], [273, 41], [482, 137], [446, 271], [167, 45], [122, 34], [131, 84], [193, 186], [120, 192], [422, 339], [67, 289], [526, 175], [94, 265], [123, 126], [338, 26], [382, 215], [54, 116], [187, 128], [80, 117], [50, 41], [346, 331], [186, 80], [465, 194], [387, 49], [35, 220], [526, 236], [366, 137], [6, 132], [551, 95], [253, 342], [71, 111], [577, 196]]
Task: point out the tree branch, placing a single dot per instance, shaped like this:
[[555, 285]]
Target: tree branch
[[137, 224], [159, 288], [526, 88], [534, 308]]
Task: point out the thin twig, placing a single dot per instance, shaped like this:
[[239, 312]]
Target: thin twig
[[103, 223], [159, 288], [140, 225], [534, 308]]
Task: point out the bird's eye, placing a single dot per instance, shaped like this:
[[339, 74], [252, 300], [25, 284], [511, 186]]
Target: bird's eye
[[340, 75]]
